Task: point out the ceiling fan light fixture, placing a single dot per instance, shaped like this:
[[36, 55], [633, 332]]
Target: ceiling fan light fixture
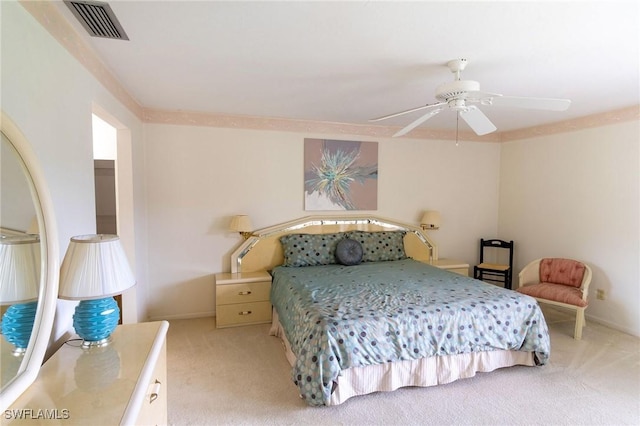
[[457, 104]]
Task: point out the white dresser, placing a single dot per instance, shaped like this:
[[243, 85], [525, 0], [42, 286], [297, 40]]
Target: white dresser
[[124, 383]]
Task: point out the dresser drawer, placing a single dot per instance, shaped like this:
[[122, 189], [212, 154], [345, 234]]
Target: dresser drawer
[[154, 407], [243, 313], [243, 292], [110, 385]]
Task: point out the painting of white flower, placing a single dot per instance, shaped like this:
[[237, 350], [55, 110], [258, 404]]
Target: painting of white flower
[[340, 175]]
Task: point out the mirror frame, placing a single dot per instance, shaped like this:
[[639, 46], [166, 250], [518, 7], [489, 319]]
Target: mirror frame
[[50, 266]]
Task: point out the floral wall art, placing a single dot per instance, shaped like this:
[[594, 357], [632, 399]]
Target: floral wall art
[[340, 175]]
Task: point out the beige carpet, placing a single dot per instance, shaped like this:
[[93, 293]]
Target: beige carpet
[[240, 376]]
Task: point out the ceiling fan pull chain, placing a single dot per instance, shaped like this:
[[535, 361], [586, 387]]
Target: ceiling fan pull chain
[[457, 125]]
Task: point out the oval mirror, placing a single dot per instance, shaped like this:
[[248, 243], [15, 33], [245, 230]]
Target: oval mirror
[[26, 220]]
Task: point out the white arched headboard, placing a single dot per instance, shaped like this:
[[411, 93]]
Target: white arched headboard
[[263, 251]]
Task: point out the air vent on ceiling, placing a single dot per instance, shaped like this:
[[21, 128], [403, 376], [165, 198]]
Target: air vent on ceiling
[[97, 18]]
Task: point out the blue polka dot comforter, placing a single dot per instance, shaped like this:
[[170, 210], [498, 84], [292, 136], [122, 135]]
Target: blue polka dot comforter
[[336, 317]]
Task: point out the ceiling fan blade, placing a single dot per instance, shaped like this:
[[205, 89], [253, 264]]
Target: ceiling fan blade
[[418, 122], [548, 104], [477, 121], [396, 114]]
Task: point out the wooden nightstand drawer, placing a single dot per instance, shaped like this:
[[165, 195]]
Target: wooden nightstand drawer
[[243, 292], [461, 271], [243, 298], [243, 313], [451, 265]]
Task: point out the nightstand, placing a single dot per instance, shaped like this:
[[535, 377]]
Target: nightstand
[[457, 266], [243, 298]]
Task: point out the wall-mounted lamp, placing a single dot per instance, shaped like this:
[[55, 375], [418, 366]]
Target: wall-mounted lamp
[[94, 269], [430, 220], [242, 224], [19, 285]]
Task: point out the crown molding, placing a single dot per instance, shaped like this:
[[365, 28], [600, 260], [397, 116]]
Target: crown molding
[[46, 13], [301, 126], [595, 120]]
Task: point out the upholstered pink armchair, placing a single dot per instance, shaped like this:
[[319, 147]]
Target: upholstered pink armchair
[[560, 282]]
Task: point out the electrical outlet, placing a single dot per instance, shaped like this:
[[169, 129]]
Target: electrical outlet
[[600, 295]]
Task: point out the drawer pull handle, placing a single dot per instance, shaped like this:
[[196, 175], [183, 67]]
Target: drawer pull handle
[[155, 390], [244, 293], [244, 313]]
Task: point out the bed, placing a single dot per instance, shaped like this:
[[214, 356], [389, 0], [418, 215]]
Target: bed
[[390, 320]]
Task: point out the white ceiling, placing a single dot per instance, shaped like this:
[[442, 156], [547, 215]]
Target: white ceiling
[[350, 61]]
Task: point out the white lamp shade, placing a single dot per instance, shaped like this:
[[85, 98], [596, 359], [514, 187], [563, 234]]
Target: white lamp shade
[[19, 269], [431, 219], [94, 267], [241, 223]]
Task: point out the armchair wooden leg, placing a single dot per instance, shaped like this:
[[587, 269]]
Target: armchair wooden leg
[[579, 324]]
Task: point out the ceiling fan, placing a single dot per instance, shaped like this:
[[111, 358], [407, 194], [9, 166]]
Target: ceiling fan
[[461, 95]]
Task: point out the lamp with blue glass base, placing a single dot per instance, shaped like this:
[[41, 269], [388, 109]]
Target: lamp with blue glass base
[[19, 284], [94, 269]]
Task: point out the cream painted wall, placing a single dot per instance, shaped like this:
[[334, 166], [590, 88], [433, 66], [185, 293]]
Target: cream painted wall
[[51, 96], [198, 177], [16, 206], [577, 195]]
